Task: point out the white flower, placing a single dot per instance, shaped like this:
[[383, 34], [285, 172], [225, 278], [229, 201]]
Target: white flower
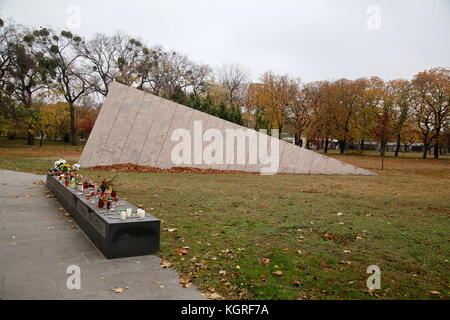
[[76, 166], [60, 162]]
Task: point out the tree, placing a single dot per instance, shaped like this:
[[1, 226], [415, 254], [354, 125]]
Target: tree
[[274, 96], [63, 51], [301, 109], [370, 98], [344, 108], [233, 77], [431, 90], [383, 132], [24, 75], [399, 98]]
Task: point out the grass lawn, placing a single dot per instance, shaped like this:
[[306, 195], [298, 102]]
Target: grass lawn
[[293, 236]]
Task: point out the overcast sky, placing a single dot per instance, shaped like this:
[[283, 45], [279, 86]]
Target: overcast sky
[[313, 40]]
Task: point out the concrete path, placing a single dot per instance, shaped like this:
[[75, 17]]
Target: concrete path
[[38, 242]]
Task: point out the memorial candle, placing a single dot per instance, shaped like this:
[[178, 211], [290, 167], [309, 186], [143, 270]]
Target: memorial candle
[[123, 215], [129, 212]]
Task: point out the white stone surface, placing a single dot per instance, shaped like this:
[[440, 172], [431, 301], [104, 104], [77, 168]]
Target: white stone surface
[[157, 134], [141, 127]]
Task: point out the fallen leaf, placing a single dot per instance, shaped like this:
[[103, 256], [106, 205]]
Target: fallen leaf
[[182, 251], [297, 283], [185, 283], [215, 296], [165, 264], [278, 272], [434, 292], [171, 230], [117, 290], [265, 260], [223, 272], [238, 267]]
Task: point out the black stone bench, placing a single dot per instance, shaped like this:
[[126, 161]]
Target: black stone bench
[[114, 237]]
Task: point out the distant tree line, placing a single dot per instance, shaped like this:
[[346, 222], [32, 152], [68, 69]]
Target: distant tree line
[[53, 82], [352, 112], [43, 66]]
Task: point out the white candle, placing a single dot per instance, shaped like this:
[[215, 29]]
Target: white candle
[[123, 215], [141, 213], [129, 212]]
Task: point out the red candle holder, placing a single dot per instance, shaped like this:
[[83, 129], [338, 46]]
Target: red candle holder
[[101, 204], [67, 183]]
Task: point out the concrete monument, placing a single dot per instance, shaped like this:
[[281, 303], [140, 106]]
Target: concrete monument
[[140, 128]]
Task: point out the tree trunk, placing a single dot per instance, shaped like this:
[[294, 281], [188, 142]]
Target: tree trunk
[[425, 150], [341, 146], [362, 144], [383, 147], [73, 127], [30, 137], [397, 149], [298, 139], [326, 145], [436, 150], [42, 139]]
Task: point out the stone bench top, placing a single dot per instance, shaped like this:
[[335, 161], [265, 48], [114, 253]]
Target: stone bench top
[[109, 216]]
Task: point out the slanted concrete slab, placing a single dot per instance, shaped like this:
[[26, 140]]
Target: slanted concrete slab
[[101, 130], [304, 161], [118, 136], [319, 164], [346, 169], [288, 158], [333, 166], [38, 243], [139, 131], [216, 124], [136, 127], [158, 132], [180, 121], [198, 119]]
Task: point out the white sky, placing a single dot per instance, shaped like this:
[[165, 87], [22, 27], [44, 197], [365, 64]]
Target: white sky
[[313, 40]]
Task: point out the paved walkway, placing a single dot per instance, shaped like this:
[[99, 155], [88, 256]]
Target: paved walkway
[[38, 242]]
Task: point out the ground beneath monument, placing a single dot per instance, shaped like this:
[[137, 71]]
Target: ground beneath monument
[[130, 167], [39, 241]]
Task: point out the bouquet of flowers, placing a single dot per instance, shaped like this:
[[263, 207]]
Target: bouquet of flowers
[[61, 165], [107, 184]]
